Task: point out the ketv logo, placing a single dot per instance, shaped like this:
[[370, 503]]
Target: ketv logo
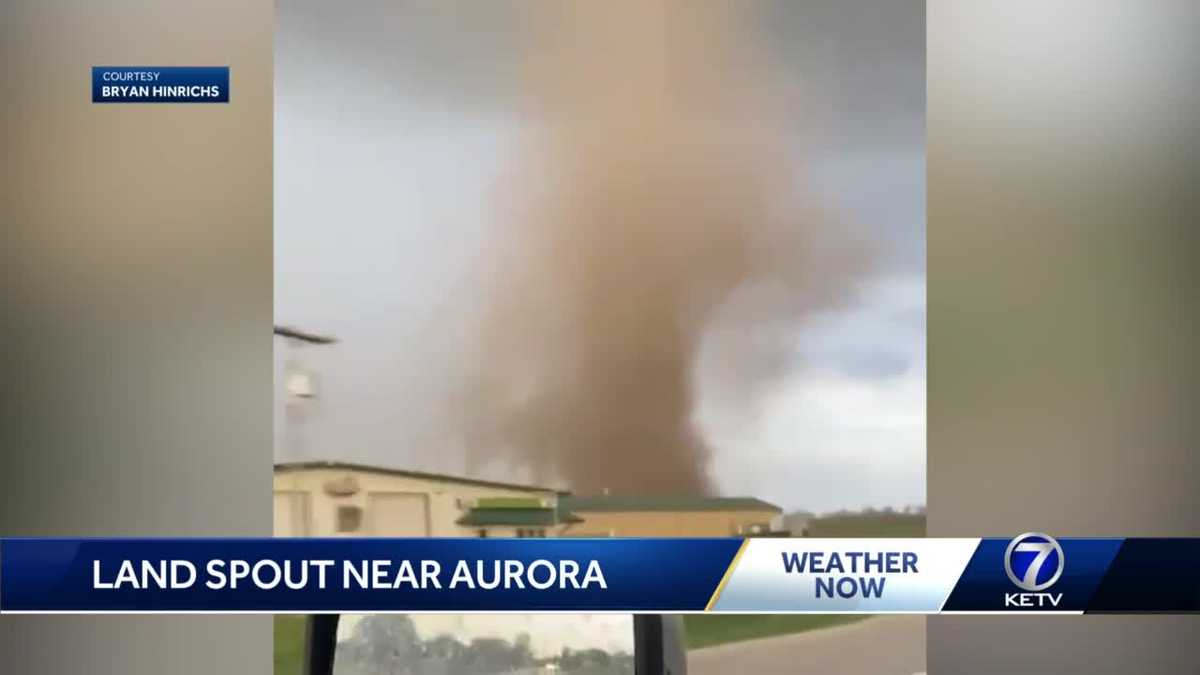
[[1034, 562]]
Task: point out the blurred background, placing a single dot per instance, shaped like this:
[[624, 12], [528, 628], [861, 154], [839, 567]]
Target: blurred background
[[1063, 304], [135, 299]]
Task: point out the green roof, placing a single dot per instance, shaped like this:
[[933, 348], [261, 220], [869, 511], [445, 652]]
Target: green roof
[[510, 503], [541, 516], [623, 503]]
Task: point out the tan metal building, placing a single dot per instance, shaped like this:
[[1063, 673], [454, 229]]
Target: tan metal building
[[328, 499], [613, 516]]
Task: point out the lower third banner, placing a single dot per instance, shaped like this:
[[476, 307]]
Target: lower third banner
[[1030, 573]]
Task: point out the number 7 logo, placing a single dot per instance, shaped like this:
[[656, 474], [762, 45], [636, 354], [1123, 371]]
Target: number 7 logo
[[1043, 546]]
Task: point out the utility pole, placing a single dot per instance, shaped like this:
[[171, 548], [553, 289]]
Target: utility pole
[[296, 391]]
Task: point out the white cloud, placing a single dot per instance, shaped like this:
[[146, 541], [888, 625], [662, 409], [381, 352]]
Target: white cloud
[[826, 436]]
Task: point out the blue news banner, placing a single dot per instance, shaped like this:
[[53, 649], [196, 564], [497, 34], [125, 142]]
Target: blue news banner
[[160, 84], [1029, 573]]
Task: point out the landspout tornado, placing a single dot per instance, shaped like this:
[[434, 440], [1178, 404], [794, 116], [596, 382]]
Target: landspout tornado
[[662, 173]]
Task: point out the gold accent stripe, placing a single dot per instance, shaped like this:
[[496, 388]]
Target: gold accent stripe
[[725, 577]]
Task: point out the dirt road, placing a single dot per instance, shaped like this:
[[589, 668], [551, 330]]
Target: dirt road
[[881, 645]]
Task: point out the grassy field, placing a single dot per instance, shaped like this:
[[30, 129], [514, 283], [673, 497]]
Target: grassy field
[[706, 630], [289, 644]]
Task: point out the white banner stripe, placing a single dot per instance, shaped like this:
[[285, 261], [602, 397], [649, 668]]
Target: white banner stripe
[[860, 576]]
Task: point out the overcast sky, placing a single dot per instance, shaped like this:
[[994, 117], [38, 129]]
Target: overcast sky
[[392, 127]]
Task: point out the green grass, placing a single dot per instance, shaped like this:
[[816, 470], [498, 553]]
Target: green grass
[[900, 525], [289, 644], [706, 630]]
